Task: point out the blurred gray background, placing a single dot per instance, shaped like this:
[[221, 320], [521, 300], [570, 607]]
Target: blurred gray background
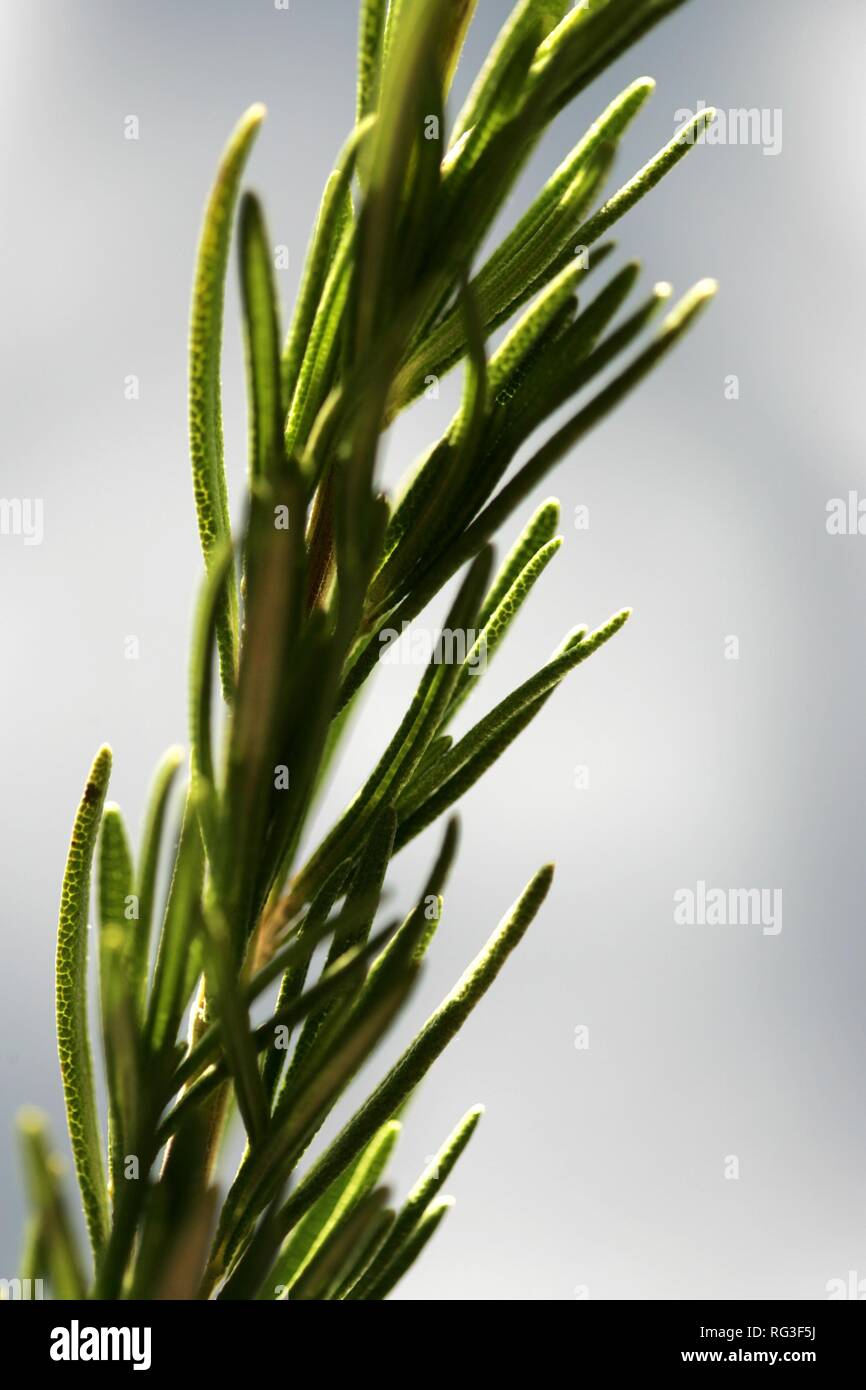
[[596, 1172]]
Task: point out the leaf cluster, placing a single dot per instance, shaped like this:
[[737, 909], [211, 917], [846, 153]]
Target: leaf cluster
[[295, 613]]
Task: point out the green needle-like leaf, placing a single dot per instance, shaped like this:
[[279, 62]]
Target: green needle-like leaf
[[495, 731], [319, 359], [588, 39], [295, 975], [455, 464], [121, 1040], [520, 268], [73, 1039], [182, 923], [414, 935], [326, 1269], [306, 937], [277, 1156], [176, 1224], [341, 978], [117, 1005], [488, 521], [294, 956], [533, 472], [411, 1248], [500, 294], [332, 1209], [366, 889], [335, 214], [437, 748], [408, 745], [116, 872], [329, 574], [205, 409], [561, 367], [554, 307], [226, 996], [494, 630], [204, 642], [457, 23], [428, 1186], [540, 529], [56, 1242], [262, 339], [557, 192], [148, 867], [529, 19], [646, 178], [365, 1248], [543, 242], [371, 40], [416, 1061]]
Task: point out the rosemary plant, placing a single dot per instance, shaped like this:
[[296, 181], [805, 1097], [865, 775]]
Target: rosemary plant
[[295, 611]]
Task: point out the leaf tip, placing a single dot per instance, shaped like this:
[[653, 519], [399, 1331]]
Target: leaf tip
[[693, 131], [100, 770], [31, 1122], [696, 299], [572, 638], [255, 114], [543, 878]]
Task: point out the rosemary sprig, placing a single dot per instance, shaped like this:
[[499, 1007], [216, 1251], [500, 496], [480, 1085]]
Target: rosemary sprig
[[298, 604]]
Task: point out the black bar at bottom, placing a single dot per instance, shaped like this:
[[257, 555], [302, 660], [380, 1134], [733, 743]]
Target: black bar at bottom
[[261, 1339]]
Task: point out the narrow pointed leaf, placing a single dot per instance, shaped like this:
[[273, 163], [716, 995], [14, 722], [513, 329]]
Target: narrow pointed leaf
[[204, 643], [205, 409], [73, 1038], [529, 18], [56, 1243], [416, 1061], [488, 732], [408, 745], [333, 219], [116, 998], [646, 178], [334, 1206], [225, 996], [148, 868], [608, 128], [456, 465], [428, 1186], [327, 1266], [364, 1249], [494, 630], [320, 350], [182, 922], [410, 1249], [341, 978], [293, 980], [284, 1147], [262, 340], [366, 889], [532, 473], [540, 529], [371, 45]]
